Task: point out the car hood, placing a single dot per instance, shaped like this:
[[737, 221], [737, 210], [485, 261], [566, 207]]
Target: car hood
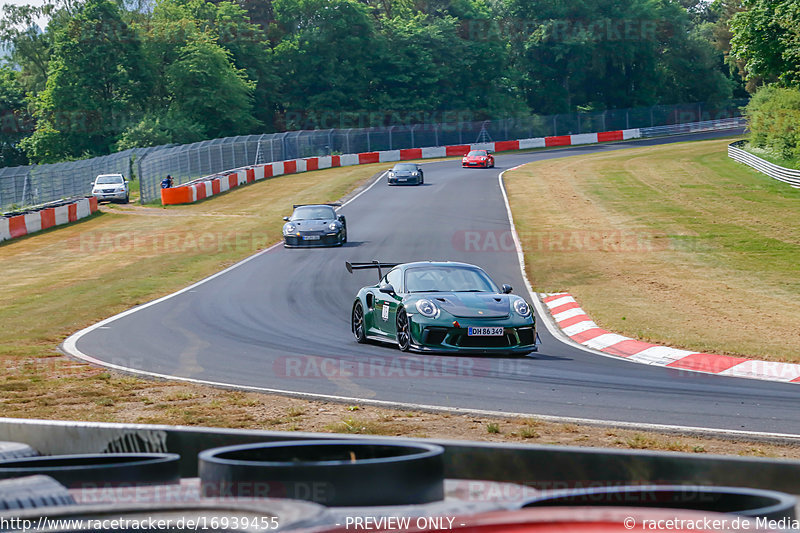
[[403, 172], [311, 225], [475, 157], [472, 304]]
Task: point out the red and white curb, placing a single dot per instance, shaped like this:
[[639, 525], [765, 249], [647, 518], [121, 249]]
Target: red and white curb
[[576, 324], [21, 225]]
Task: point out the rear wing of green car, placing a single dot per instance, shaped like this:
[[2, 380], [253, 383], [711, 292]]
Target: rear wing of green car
[[374, 264]]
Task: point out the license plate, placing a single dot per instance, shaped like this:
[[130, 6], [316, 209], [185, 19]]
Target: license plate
[[492, 331], [402, 179], [310, 237]]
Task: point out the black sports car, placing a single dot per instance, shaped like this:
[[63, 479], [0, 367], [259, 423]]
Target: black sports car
[[314, 225], [406, 174]]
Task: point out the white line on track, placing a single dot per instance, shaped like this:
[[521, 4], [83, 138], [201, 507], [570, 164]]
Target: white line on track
[[69, 346]]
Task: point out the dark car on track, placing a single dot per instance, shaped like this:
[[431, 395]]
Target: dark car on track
[[406, 174], [441, 307], [478, 158], [314, 225]]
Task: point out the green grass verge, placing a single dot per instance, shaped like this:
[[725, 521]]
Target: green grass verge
[[674, 244]]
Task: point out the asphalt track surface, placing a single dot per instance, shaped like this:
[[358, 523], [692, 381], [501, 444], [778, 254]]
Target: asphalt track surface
[[281, 321]]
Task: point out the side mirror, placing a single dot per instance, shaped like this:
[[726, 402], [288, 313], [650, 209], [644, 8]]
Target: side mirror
[[387, 289], [340, 218], [286, 219], [507, 288]]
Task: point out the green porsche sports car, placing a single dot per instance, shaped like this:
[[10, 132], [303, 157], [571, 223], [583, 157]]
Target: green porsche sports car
[[441, 307]]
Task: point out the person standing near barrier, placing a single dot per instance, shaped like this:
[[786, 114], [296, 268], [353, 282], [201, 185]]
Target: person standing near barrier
[[166, 183]]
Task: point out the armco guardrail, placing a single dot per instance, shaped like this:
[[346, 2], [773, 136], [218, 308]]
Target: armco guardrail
[[46, 217], [695, 127], [786, 175]]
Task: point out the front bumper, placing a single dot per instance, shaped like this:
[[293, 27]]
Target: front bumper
[[108, 196], [440, 339], [297, 241], [484, 164], [404, 181]]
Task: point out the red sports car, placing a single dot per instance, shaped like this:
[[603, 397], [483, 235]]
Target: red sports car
[[478, 158]]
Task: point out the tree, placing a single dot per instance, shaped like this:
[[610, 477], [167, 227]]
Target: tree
[[15, 123], [29, 45], [205, 87], [326, 57], [96, 83], [773, 117], [610, 53], [766, 38]]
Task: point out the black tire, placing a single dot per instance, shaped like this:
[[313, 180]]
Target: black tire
[[344, 236], [32, 492], [15, 450], [127, 199], [360, 335], [334, 473], [97, 468], [403, 330]]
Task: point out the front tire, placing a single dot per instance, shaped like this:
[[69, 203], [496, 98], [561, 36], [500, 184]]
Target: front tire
[[357, 323], [403, 330]]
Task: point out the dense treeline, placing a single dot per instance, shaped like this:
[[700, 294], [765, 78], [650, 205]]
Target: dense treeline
[[765, 46], [106, 75]]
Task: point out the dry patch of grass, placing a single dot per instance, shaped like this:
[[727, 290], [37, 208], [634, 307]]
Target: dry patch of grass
[[141, 401], [674, 244]]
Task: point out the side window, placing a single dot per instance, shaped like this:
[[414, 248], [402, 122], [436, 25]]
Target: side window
[[395, 279]]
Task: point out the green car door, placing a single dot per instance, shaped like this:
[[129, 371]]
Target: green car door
[[384, 312]]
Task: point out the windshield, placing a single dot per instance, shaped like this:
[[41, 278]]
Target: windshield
[[317, 212], [405, 167], [105, 180], [478, 153], [448, 279]]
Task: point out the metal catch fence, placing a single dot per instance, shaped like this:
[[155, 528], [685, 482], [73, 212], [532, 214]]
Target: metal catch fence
[[37, 184]]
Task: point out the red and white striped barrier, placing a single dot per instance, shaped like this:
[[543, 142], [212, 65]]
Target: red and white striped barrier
[[576, 324], [209, 186], [21, 225]]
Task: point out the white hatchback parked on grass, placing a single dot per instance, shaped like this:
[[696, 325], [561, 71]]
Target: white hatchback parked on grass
[[111, 187]]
